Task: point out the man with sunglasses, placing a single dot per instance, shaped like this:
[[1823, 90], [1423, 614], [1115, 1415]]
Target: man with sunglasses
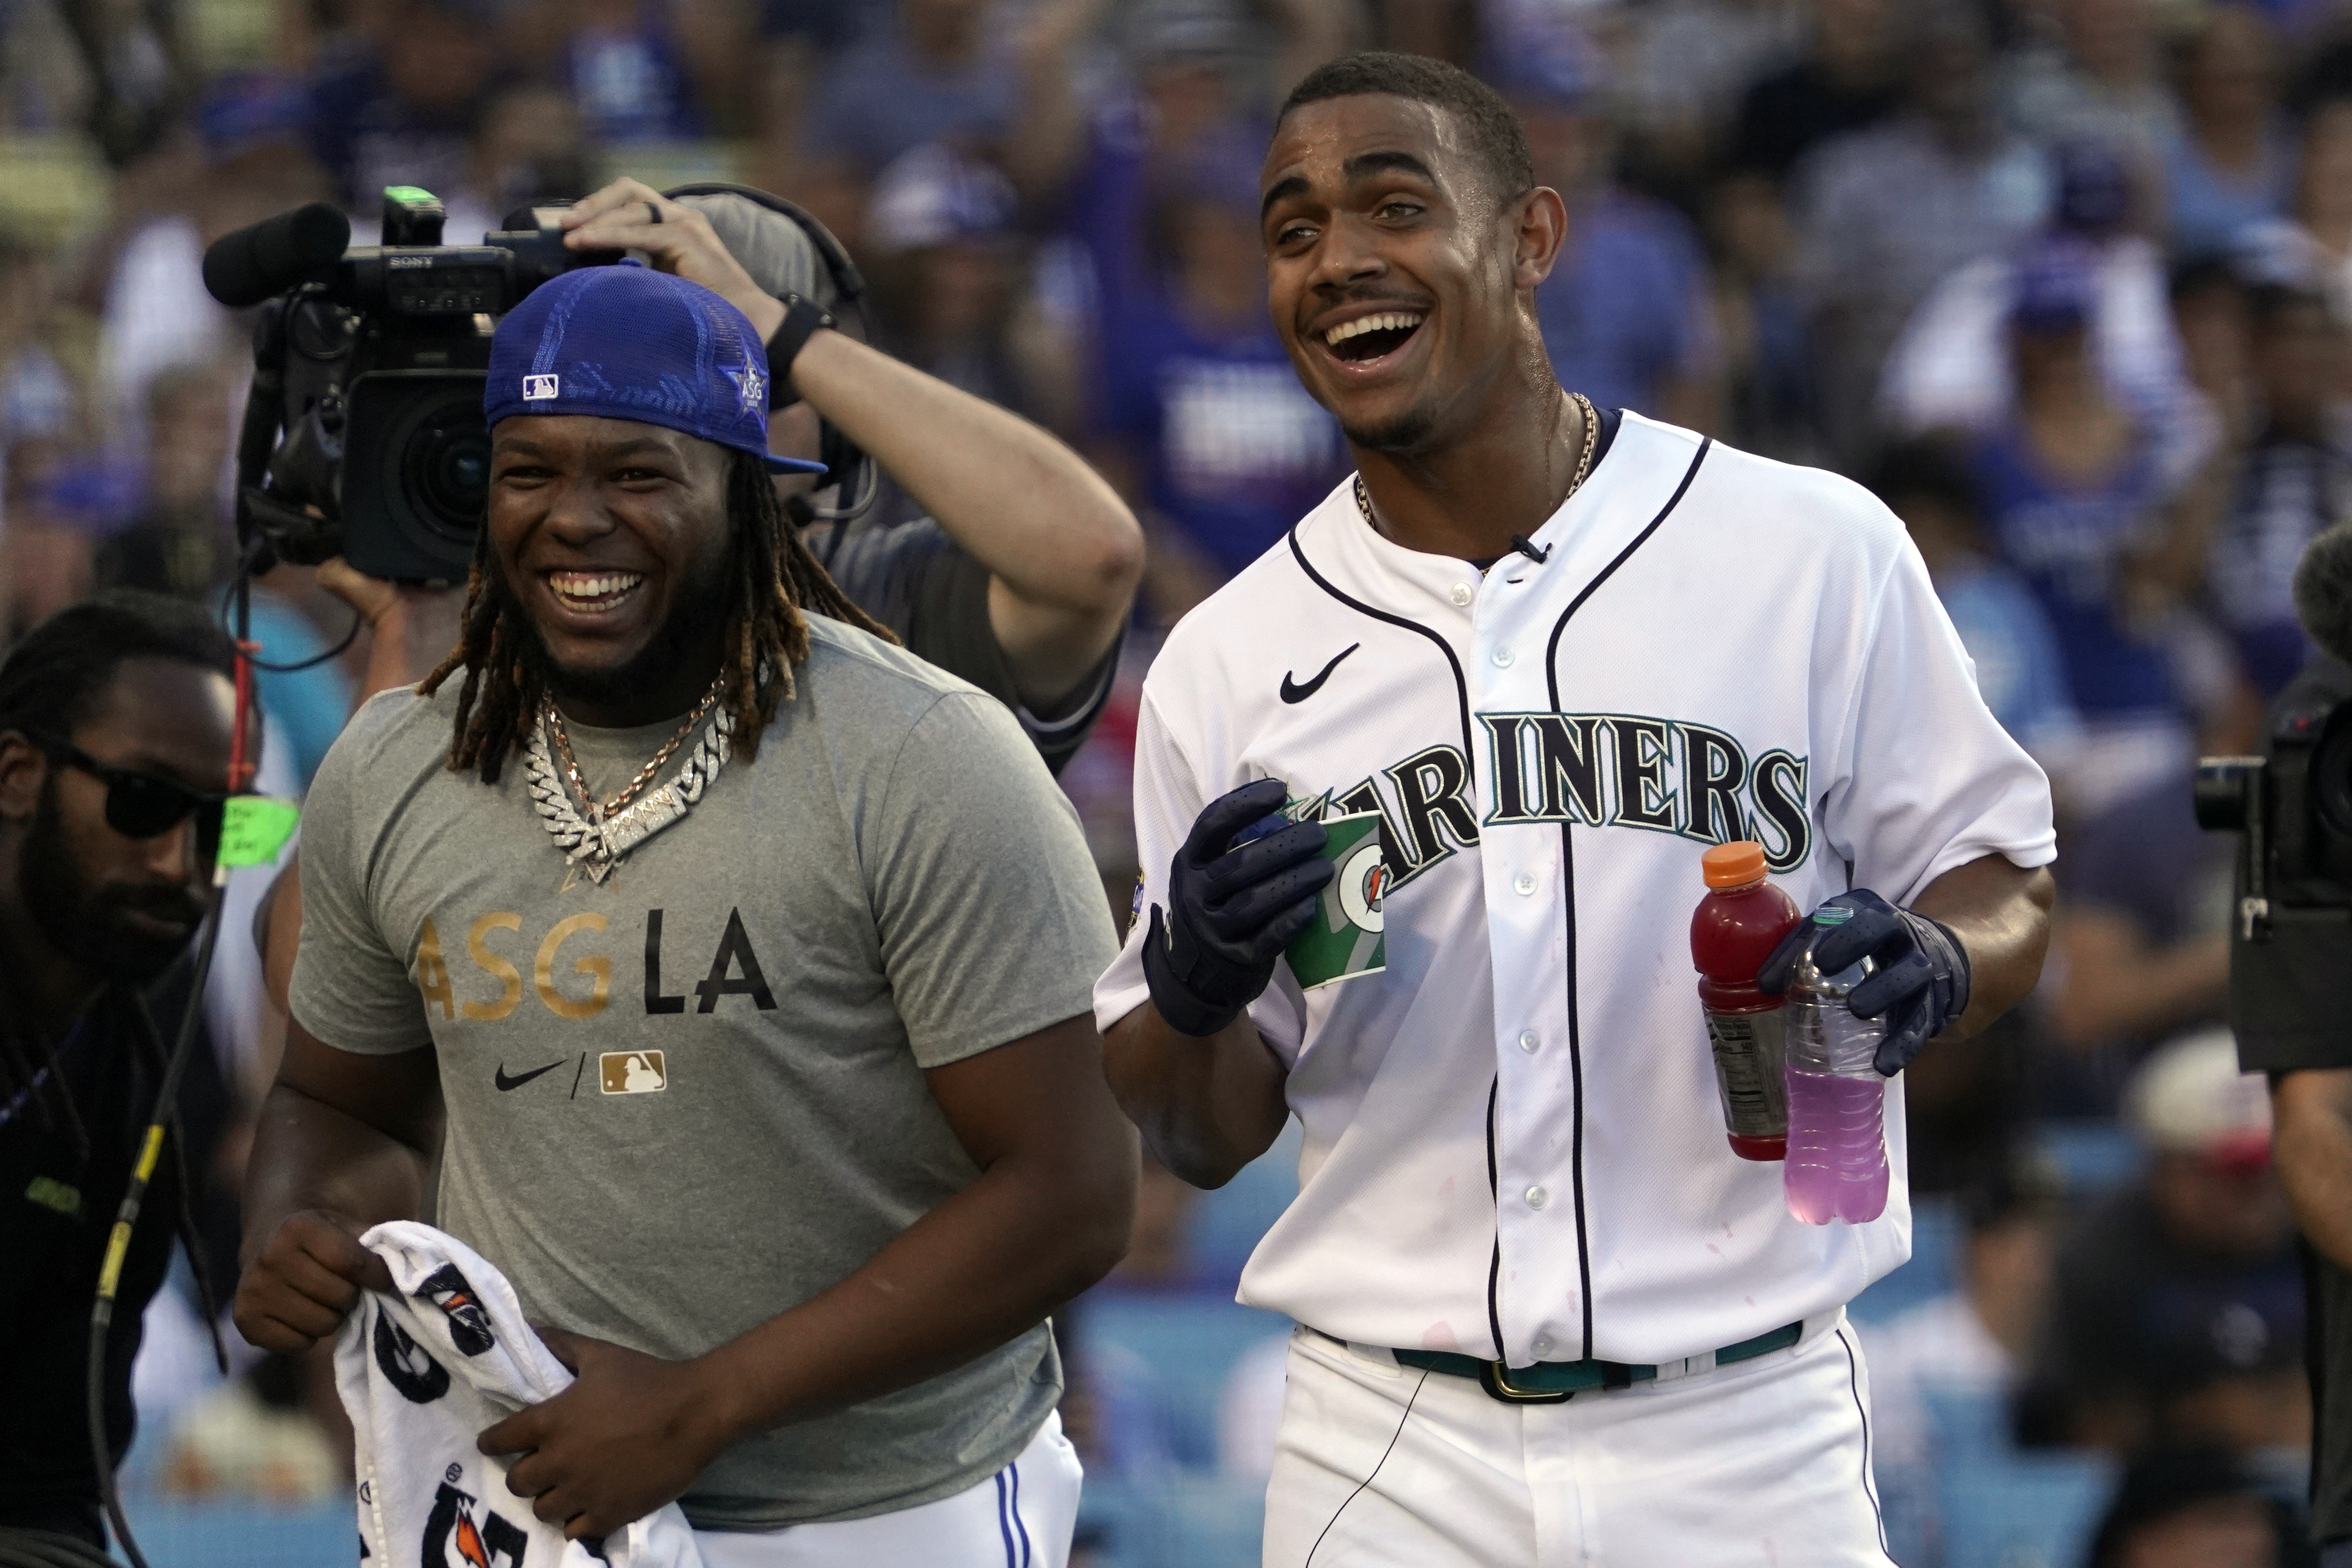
[[115, 722]]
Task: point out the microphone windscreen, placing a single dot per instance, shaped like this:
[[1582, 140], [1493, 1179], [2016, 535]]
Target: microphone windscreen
[[249, 265], [2322, 590]]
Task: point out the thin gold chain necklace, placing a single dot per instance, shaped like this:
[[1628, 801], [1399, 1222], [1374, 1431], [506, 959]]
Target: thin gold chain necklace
[[1584, 465], [597, 813]]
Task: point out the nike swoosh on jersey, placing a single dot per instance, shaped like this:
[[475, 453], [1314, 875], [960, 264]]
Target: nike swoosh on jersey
[[517, 1082], [1294, 693]]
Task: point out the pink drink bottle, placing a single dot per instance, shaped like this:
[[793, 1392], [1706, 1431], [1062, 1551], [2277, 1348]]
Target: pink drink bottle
[[1837, 1135], [1733, 931]]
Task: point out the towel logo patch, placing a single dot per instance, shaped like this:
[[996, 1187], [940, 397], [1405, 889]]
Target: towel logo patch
[[538, 389], [420, 1379], [469, 1323], [633, 1071], [461, 1532]]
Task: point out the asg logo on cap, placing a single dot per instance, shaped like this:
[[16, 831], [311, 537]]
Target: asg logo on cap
[[538, 389]]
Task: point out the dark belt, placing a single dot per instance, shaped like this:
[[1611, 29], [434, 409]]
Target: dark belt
[[1552, 1382]]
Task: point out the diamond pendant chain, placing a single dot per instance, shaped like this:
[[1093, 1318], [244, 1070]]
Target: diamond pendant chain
[[599, 813], [596, 846]]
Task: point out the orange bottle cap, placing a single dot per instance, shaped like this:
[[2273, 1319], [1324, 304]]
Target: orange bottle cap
[[1733, 864]]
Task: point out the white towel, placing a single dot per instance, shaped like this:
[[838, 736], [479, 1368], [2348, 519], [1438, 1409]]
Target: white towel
[[422, 1374]]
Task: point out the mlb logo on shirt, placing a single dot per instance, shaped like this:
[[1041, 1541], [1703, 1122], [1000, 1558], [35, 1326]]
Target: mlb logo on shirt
[[538, 389], [633, 1071]]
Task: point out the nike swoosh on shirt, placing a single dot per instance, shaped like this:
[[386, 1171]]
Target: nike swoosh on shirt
[[1294, 693], [517, 1082]]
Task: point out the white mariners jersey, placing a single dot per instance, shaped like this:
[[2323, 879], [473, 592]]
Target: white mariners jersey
[[1512, 1134]]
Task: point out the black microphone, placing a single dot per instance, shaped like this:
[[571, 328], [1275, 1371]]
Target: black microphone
[[2322, 590], [272, 255], [1521, 543]]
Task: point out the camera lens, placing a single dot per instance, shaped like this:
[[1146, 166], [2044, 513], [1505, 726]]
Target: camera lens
[[453, 466], [445, 466], [417, 468]]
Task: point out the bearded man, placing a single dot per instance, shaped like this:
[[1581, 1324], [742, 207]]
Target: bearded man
[[115, 724]]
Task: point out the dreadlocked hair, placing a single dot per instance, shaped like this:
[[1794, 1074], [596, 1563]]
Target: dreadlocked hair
[[773, 583]]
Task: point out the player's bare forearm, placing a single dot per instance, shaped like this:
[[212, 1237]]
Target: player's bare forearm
[[2000, 912], [1064, 551], [2311, 1146], [1049, 1215], [343, 1143], [1207, 1107], [341, 1133]]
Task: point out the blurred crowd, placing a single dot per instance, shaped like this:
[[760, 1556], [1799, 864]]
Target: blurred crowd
[[2067, 283]]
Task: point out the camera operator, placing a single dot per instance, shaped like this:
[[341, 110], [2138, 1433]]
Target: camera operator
[[1019, 580], [2291, 1003], [115, 724]]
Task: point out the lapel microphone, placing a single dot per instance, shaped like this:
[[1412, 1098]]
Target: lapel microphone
[[1520, 543]]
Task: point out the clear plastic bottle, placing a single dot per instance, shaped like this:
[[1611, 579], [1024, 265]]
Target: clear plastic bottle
[[1733, 931], [1837, 1135]]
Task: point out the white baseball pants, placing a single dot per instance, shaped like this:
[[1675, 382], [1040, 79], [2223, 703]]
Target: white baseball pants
[[1763, 1463], [1021, 1517]]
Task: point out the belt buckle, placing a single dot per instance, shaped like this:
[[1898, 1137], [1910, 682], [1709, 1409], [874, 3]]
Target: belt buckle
[[1495, 1376]]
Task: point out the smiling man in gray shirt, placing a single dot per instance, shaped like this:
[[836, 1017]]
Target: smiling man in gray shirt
[[746, 960]]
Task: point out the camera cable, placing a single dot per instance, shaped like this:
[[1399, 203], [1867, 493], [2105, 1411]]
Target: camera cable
[[126, 1220], [242, 583]]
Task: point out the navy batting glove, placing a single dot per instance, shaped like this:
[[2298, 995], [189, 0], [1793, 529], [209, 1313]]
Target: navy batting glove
[[1239, 892], [1921, 984]]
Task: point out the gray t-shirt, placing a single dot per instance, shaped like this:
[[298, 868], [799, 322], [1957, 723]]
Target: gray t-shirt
[[689, 1098]]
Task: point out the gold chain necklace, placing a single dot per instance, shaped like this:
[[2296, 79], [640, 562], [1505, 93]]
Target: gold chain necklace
[[1583, 464], [644, 775]]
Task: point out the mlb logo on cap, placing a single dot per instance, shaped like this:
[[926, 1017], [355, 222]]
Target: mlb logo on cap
[[627, 342]]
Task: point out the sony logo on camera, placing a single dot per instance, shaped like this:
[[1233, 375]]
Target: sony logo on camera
[[392, 340]]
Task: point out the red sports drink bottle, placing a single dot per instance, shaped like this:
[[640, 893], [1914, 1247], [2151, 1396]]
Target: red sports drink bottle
[[1733, 931]]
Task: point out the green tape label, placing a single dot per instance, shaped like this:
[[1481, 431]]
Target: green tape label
[[254, 828]]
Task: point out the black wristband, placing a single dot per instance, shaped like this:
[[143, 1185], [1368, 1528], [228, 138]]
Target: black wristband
[[803, 320], [1180, 1005]]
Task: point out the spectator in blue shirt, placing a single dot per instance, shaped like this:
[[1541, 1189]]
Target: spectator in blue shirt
[[933, 73], [1203, 419], [2002, 624], [2295, 480], [1625, 313], [2075, 496], [2232, 161], [627, 71], [406, 114]]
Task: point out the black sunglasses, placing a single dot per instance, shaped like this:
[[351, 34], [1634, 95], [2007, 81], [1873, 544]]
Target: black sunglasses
[[145, 805]]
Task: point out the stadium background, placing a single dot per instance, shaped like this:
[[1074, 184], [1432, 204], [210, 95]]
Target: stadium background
[[2066, 281]]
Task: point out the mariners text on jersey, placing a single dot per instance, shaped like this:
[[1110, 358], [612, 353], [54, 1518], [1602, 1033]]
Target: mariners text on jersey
[[1511, 1138]]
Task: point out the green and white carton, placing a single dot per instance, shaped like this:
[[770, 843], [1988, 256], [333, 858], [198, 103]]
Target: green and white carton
[[1344, 939]]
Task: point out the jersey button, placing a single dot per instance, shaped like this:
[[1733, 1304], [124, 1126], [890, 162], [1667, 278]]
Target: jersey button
[[1463, 593], [1542, 1345], [1528, 1041], [1524, 885], [1502, 658], [1537, 1197]]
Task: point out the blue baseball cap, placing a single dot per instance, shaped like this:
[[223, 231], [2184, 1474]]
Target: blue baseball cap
[[627, 342]]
